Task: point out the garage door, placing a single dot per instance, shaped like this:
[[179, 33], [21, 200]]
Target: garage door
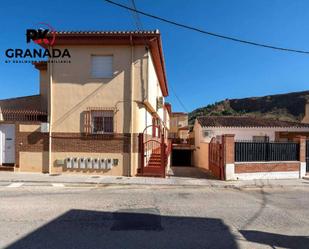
[[181, 158]]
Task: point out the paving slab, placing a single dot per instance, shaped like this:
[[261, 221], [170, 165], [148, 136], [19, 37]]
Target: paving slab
[[11, 177]]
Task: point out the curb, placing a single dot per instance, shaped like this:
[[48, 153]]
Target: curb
[[228, 186]]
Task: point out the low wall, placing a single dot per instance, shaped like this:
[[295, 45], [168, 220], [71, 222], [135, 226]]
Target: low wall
[[266, 170], [32, 150]]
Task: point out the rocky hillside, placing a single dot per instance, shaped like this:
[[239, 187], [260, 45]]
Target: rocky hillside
[[288, 106]]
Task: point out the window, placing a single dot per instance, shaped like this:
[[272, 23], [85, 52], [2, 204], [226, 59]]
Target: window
[[102, 122], [260, 138], [101, 66]]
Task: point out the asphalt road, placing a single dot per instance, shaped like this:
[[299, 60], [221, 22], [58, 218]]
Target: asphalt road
[[153, 217]]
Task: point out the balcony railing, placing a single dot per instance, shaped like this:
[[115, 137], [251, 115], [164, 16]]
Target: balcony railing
[[22, 115]]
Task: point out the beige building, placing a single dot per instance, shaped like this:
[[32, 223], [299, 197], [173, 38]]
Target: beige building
[[179, 126], [90, 112]]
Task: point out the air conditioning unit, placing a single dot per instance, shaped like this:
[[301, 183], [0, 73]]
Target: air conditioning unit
[[89, 163], [68, 162], [75, 162], [207, 134], [82, 163], [109, 163], [159, 102], [44, 127], [102, 164], [95, 163]]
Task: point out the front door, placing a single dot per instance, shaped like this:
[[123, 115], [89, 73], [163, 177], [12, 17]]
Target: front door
[[7, 143]]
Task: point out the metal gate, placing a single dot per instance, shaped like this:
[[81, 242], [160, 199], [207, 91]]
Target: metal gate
[[152, 151], [307, 155]]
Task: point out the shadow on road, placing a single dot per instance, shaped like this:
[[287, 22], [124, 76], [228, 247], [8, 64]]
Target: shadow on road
[[276, 240], [139, 228]]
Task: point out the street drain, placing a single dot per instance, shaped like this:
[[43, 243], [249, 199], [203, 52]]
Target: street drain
[[137, 219]]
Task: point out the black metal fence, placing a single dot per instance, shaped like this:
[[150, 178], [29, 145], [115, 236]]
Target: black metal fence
[[249, 151]]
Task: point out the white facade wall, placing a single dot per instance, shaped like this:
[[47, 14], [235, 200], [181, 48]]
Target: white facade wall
[[267, 175], [153, 91], [154, 87]]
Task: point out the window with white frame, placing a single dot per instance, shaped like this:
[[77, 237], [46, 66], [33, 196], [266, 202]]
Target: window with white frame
[[102, 122], [260, 138], [101, 66]]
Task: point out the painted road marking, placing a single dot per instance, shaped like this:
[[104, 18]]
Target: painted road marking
[[15, 185], [59, 185]]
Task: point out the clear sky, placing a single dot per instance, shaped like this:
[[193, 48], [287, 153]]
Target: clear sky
[[201, 69]]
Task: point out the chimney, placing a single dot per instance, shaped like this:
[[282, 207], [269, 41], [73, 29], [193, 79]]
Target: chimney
[[306, 117]]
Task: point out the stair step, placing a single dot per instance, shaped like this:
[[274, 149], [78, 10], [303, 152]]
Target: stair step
[[6, 168], [155, 163], [151, 175]]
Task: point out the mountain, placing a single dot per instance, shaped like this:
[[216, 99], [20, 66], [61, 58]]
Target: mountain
[[288, 106]]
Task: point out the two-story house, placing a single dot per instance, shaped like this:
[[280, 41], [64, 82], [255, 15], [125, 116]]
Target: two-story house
[[179, 125], [92, 113]]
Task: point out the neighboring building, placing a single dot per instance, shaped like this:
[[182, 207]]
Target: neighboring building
[[95, 106], [179, 125], [243, 128]]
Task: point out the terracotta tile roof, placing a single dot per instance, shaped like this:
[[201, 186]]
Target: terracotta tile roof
[[110, 32], [245, 121], [179, 114], [184, 128]]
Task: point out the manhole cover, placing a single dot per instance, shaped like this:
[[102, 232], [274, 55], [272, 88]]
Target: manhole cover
[[137, 219]]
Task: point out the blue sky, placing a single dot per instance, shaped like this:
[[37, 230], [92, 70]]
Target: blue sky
[[201, 69]]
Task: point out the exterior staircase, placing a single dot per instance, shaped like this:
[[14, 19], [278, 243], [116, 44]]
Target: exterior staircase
[[154, 167]]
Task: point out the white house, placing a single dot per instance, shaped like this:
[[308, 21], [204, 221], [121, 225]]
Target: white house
[[244, 128]]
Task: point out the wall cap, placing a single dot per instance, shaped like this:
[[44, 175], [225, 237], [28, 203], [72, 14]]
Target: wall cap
[[269, 162]]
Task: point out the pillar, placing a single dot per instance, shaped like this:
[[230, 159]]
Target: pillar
[[228, 141]]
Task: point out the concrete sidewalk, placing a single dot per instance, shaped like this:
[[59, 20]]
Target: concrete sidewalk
[[122, 180]]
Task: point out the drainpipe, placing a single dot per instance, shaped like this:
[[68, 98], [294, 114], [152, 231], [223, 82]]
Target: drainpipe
[[50, 107], [132, 111]]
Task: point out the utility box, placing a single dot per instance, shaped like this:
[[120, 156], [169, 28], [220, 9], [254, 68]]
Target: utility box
[[115, 162], [75, 162], [109, 164], [60, 162], [95, 163], [82, 163], [44, 127], [89, 163], [68, 162], [102, 164]]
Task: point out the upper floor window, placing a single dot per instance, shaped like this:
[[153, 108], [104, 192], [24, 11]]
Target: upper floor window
[[101, 66]]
